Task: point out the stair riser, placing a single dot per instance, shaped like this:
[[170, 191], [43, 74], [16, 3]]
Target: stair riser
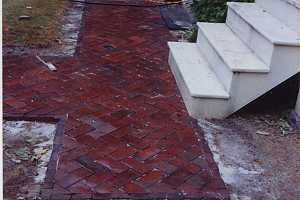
[[221, 70], [198, 107], [260, 45], [246, 87], [285, 12]]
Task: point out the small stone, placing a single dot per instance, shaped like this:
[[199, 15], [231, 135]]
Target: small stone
[[16, 160], [24, 17], [262, 133]]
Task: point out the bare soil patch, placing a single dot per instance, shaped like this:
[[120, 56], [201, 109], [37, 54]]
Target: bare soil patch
[[27, 151], [257, 155]]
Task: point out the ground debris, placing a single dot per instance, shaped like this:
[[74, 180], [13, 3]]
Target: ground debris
[[47, 64], [210, 127], [39, 152], [37, 141], [15, 160], [282, 124], [24, 17], [12, 157], [262, 133], [285, 127], [23, 153], [269, 122]]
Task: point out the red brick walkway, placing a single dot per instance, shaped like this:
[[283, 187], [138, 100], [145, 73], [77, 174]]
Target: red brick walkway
[[127, 133]]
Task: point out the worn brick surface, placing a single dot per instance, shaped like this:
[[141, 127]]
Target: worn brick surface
[[127, 132]]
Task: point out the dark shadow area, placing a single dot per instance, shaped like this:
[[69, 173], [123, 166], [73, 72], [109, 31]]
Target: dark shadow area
[[282, 97]]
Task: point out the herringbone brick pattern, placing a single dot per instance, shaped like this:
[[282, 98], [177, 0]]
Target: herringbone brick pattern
[[128, 133]]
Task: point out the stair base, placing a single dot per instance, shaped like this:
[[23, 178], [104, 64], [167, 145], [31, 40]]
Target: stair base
[[199, 107]]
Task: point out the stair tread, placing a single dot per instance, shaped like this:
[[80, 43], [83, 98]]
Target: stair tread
[[266, 24], [200, 80], [232, 50]]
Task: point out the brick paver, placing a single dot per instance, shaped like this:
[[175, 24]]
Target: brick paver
[[128, 134]]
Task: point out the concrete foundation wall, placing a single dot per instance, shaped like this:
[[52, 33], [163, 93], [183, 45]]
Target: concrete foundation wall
[[297, 109]]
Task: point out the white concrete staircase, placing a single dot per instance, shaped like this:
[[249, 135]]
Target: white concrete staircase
[[232, 64]]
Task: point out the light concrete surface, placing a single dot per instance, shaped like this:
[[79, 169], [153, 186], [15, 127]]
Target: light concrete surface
[[260, 45], [246, 87], [264, 23], [201, 81], [223, 72], [295, 3], [196, 106], [286, 11], [235, 54]]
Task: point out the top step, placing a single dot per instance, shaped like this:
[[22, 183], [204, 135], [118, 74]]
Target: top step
[[287, 11], [264, 23], [295, 3]]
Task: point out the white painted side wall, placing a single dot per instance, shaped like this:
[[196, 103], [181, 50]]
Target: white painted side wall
[[297, 108]]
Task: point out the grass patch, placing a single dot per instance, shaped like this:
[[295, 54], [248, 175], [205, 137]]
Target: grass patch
[[214, 11], [41, 30]]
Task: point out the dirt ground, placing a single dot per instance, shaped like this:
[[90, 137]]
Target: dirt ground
[[27, 150], [257, 155]]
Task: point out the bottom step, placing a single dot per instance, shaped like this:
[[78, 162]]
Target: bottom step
[[202, 92]]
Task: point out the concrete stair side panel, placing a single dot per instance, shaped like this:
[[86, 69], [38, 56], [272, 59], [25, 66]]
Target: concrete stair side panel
[[247, 87]]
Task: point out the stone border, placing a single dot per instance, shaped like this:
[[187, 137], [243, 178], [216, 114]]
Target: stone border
[[70, 30], [57, 146], [136, 196]]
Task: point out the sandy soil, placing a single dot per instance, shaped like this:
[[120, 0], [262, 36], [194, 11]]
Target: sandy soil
[[258, 155], [27, 150]]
